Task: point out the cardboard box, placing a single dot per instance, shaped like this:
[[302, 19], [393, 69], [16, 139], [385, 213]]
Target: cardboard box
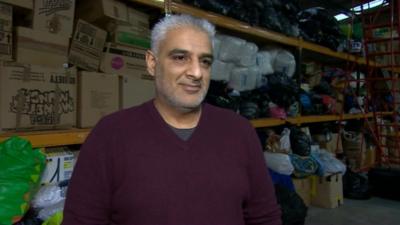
[[137, 88], [138, 19], [28, 4], [102, 11], [87, 46], [6, 26], [327, 192], [126, 34], [98, 95], [41, 48], [56, 17], [303, 188], [36, 97], [122, 60], [59, 166]]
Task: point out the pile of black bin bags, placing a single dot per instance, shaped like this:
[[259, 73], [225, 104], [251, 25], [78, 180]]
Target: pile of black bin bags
[[277, 15], [284, 16], [280, 89]]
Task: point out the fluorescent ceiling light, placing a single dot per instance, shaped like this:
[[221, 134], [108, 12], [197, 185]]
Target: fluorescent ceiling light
[[369, 5], [357, 9], [341, 16]]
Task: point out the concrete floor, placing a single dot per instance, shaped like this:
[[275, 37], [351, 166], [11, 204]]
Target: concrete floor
[[357, 212]]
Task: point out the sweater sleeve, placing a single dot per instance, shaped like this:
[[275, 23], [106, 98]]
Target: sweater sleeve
[[89, 190], [261, 208]]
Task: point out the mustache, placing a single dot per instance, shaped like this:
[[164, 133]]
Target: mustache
[[193, 82]]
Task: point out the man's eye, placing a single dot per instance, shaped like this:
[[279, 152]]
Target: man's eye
[[206, 63], [179, 58]]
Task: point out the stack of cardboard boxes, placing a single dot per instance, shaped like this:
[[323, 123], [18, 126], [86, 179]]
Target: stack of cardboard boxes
[[77, 62]]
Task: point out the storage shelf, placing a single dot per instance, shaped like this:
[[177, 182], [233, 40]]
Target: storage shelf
[[267, 122], [51, 138], [259, 123], [241, 27], [77, 136]]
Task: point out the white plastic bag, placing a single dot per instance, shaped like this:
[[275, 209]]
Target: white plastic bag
[[264, 62], [248, 56], [283, 61], [329, 164], [216, 46], [221, 70], [48, 195], [230, 49], [279, 162]]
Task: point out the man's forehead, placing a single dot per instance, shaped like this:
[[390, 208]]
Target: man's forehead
[[182, 39], [183, 31]]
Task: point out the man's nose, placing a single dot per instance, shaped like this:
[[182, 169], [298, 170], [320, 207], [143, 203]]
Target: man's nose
[[195, 70]]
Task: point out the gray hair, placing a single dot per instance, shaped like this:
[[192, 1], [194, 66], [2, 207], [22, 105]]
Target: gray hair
[[175, 21]]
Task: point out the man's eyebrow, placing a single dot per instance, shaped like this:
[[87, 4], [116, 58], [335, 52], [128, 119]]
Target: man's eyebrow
[[178, 51], [207, 55], [183, 51]]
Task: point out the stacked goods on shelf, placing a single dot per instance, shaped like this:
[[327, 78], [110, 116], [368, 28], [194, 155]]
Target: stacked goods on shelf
[[315, 172], [98, 95], [41, 48], [279, 16], [129, 62], [6, 26], [55, 17], [39, 79], [318, 26], [327, 90], [87, 46], [124, 24], [313, 24], [60, 162], [260, 80], [239, 56], [38, 91], [124, 54], [37, 97]]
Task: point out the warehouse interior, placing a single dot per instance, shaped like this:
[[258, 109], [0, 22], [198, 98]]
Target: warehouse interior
[[317, 80]]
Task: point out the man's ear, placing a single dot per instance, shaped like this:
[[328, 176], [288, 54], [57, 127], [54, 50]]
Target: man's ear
[[151, 62]]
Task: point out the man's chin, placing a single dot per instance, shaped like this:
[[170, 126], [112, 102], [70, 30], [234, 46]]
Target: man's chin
[[188, 106]]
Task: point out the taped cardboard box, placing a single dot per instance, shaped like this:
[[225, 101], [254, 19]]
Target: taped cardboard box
[[102, 11], [28, 4], [303, 188], [59, 165], [41, 48], [56, 17], [6, 37], [99, 95], [33, 97], [137, 88], [122, 60], [87, 46], [327, 192]]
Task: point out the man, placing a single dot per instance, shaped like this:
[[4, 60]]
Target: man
[[173, 160]]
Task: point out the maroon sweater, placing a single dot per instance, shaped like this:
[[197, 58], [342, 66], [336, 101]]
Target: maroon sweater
[[134, 170]]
